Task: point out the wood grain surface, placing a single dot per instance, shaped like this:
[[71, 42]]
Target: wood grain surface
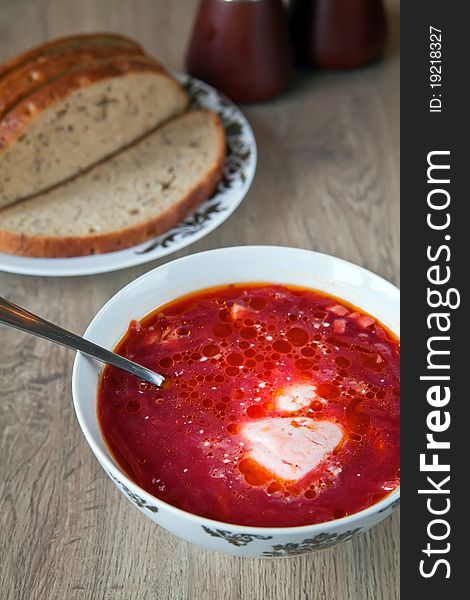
[[328, 180]]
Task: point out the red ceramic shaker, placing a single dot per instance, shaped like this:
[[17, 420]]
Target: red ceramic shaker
[[338, 34], [242, 47]]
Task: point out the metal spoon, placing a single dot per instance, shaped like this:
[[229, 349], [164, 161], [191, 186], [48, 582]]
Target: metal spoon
[[18, 317]]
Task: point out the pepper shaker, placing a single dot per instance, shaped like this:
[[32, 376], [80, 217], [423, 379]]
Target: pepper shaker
[[242, 47], [338, 34]]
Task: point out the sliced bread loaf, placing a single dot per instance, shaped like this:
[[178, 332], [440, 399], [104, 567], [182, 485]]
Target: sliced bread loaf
[[140, 192], [80, 117], [33, 73], [57, 45]]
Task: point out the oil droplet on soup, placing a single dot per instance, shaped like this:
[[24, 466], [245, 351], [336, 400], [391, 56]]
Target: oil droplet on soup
[[282, 406]]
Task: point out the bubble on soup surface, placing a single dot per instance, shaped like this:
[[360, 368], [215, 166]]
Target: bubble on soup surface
[[210, 350], [274, 487], [257, 303], [342, 361], [165, 362], [254, 473], [234, 359], [282, 346], [224, 314], [297, 336], [328, 391], [248, 333], [133, 406], [303, 364]]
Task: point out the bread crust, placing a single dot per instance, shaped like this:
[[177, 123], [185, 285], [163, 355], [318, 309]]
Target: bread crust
[[20, 116], [68, 40], [34, 73], [72, 246]]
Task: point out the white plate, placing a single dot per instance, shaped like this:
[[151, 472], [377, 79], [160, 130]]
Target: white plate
[[239, 171]]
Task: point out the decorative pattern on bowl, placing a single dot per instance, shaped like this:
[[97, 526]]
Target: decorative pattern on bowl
[[132, 496], [236, 539], [319, 542]]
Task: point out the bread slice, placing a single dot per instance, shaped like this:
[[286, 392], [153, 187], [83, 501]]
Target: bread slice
[[79, 118], [138, 193], [33, 73], [57, 45]]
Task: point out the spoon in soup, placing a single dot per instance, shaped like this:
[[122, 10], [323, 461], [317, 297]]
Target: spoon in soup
[[19, 318]]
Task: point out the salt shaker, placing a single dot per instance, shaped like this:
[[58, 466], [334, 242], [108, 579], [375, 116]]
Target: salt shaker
[[242, 47], [338, 34]]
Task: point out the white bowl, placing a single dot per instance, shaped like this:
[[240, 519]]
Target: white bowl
[[195, 272]]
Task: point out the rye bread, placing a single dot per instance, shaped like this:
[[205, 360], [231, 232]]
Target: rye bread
[[138, 193], [80, 117], [35, 72], [58, 44]]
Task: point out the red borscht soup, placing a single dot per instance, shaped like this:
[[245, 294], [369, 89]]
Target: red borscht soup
[[281, 406]]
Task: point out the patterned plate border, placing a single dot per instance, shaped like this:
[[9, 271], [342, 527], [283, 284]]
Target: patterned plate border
[[238, 173]]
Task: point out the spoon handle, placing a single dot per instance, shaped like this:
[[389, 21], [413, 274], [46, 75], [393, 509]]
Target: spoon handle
[[19, 318]]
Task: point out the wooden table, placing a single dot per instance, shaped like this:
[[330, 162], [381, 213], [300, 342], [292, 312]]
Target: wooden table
[[327, 180]]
